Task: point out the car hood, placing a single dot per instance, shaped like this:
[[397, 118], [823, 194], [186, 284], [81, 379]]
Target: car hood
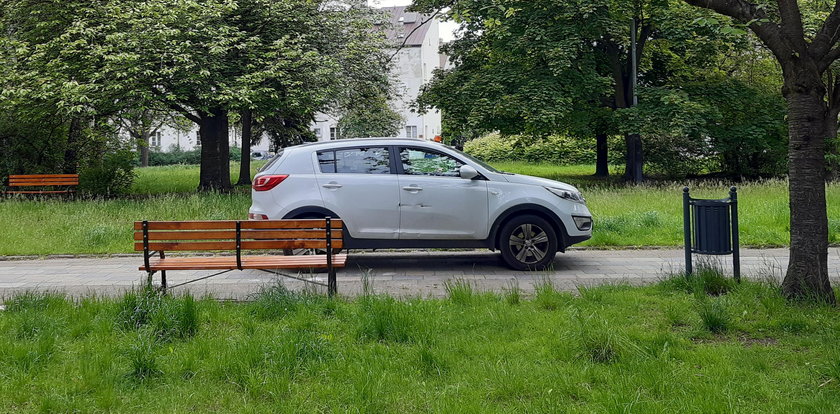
[[544, 182]]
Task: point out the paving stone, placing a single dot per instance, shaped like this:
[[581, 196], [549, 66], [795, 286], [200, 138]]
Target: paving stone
[[420, 273]]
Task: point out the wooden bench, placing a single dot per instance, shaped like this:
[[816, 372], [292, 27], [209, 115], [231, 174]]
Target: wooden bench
[[154, 238], [52, 181]]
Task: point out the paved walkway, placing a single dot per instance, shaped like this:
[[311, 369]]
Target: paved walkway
[[397, 273]]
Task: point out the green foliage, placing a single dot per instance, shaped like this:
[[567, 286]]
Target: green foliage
[[165, 317], [382, 318], [142, 356], [374, 119], [617, 352], [110, 175], [706, 279], [712, 123], [174, 156], [714, 315], [555, 149], [599, 341], [460, 291]]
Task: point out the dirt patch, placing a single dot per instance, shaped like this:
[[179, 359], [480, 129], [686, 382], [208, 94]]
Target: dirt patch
[[744, 339]]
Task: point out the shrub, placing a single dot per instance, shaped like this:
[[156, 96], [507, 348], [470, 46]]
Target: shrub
[[600, 342], [705, 280], [36, 301], [142, 356], [460, 291], [112, 174], [174, 156], [547, 297], [513, 294], [167, 317], [276, 301], [714, 315], [383, 318], [557, 149]]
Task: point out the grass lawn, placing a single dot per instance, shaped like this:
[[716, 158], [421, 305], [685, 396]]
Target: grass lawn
[[656, 349], [649, 215]]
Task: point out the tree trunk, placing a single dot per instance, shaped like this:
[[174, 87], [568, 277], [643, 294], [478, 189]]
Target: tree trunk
[[245, 164], [143, 147], [71, 156], [634, 159], [215, 151], [807, 273], [602, 162]]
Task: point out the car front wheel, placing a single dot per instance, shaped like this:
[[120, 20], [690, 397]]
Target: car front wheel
[[528, 243]]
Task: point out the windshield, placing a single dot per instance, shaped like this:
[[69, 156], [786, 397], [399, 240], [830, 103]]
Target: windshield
[[476, 160]]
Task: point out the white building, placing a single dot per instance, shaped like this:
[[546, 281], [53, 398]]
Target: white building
[[413, 66]]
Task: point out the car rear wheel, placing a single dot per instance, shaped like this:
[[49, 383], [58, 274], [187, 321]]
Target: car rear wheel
[[528, 243], [306, 252]]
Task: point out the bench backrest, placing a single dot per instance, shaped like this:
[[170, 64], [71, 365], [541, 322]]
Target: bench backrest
[[236, 235], [35, 180]]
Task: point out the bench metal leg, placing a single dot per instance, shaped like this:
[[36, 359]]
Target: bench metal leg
[[162, 275], [332, 287], [163, 281]]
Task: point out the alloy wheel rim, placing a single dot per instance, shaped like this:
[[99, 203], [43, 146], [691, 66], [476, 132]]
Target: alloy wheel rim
[[529, 243]]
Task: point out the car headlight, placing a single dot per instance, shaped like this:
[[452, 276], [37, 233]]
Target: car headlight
[[573, 196]]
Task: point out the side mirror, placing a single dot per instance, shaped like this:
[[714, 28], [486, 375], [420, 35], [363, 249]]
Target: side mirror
[[468, 173]]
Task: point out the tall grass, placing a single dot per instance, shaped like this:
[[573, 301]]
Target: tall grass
[[648, 215], [610, 349]]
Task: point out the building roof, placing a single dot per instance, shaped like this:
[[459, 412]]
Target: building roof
[[403, 23]]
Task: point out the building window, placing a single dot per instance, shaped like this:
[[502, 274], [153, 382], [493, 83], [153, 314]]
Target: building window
[[335, 133], [411, 131], [317, 132], [154, 140]]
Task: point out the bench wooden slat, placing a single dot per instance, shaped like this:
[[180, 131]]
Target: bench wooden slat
[[43, 176], [246, 245], [42, 182], [231, 234], [292, 224], [42, 179], [231, 224], [40, 192], [248, 262]]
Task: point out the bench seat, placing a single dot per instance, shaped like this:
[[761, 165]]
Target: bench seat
[[248, 262]]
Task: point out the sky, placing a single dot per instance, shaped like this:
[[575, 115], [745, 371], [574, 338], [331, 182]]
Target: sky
[[447, 29]]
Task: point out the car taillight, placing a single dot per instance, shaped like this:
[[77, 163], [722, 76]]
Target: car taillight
[[252, 216], [267, 182]]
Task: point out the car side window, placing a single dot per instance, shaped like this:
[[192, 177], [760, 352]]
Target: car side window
[[417, 161], [375, 160]]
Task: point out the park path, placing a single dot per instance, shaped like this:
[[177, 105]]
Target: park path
[[416, 273]]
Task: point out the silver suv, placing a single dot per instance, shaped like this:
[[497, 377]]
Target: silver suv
[[407, 193]]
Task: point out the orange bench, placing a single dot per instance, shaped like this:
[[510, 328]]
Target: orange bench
[[53, 181], [154, 238]]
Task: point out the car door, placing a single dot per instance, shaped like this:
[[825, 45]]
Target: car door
[[435, 202], [360, 185]]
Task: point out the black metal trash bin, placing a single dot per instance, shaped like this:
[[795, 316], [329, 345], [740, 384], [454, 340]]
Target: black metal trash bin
[[711, 227]]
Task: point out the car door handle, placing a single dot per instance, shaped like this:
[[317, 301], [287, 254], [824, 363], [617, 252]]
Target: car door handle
[[412, 188], [332, 185]]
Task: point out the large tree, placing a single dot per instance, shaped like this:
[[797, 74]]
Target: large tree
[[813, 97], [202, 59], [544, 67]]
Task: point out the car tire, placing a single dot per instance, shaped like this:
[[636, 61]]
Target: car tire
[[528, 243], [306, 252]]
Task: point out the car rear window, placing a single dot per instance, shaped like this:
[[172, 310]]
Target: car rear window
[[272, 162]]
